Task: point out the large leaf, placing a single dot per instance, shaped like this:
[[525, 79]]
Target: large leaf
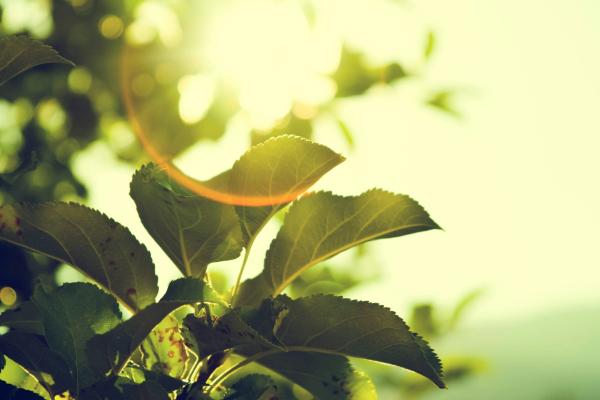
[[321, 225], [112, 350], [326, 376], [25, 318], [72, 315], [90, 241], [145, 391], [31, 353], [20, 53], [253, 387], [277, 170], [335, 325], [192, 230]]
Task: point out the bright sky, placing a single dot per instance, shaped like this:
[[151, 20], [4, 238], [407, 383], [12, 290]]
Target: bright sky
[[513, 183]]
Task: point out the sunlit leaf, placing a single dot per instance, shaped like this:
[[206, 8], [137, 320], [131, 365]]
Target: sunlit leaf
[[112, 350], [20, 53], [430, 45], [31, 353], [10, 392], [90, 241], [164, 349], [322, 225], [283, 168], [192, 230], [72, 315], [25, 318]]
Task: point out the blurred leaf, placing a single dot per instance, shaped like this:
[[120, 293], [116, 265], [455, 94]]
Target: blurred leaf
[[290, 125], [463, 305], [29, 164], [346, 132], [112, 350], [87, 239], [353, 77], [20, 53], [72, 315], [321, 225], [423, 320], [192, 230], [253, 387], [442, 100], [25, 318], [324, 281], [31, 353], [145, 391], [11, 392], [430, 45]]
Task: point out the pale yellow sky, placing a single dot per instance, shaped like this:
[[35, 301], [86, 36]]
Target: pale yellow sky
[[514, 183]]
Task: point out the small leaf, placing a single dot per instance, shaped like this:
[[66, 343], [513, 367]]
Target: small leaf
[[357, 329], [253, 387], [321, 225], [31, 353], [113, 349], [90, 241], [164, 349], [279, 169], [72, 315], [145, 391], [430, 45], [20, 53], [326, 376], [192, 230], [10, 392], [25, 318]]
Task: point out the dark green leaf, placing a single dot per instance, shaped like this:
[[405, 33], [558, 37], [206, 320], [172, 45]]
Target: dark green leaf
[[334, 325], [87, 239], [321, 225], [31, 353], [113, 349], [25, 318], [192, 230], [253, 387], [72, 315], [326, 376], [145, 391], [20, 53], [10, 392]]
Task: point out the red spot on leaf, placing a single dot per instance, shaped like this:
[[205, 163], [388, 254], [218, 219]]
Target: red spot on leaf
[[131, 292], [171, 354]]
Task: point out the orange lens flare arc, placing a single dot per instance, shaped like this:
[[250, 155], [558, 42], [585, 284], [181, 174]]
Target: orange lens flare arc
[[174, 172]]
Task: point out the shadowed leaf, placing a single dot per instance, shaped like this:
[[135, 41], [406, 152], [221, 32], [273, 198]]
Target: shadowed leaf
[[253, 387], [25, 318], [10, 392], [90, 241], [72, 315]]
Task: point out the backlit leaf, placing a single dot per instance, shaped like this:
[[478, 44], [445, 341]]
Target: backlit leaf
[[20, 53], [321, 225], [112, 350], [192, 230], [98, 246], [72, 315]]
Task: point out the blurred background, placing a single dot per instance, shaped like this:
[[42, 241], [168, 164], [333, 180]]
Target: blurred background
[[485, 112]]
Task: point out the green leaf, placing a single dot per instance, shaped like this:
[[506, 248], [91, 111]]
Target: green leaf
[[164, 349], [31, 353], [10, 392], [25, 318], [90, 241], [430, 45], [253, 387], [192, 230], [281, 169], [20, 53], [72, 315], [335, 325], [145, 391], [112, 350], [326, 376], [321, 225]]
